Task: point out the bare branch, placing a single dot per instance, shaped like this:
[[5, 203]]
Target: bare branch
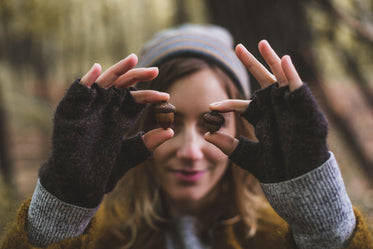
[[363, 29]]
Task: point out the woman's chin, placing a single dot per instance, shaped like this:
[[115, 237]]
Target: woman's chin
[[186, 202], [186, 197]]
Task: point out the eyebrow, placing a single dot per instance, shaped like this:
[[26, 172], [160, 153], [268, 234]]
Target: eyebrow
[[176, 113]]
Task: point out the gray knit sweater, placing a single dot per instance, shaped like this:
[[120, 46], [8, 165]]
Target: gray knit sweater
[[315, 205]]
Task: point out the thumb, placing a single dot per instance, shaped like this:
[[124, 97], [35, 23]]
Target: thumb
[[224, 142], [154, 138], [247, 155], [135, 150]]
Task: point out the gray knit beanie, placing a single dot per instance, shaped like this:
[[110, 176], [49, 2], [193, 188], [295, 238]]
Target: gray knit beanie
[[210, 41]]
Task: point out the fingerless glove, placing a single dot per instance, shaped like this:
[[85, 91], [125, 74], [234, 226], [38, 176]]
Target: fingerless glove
[[291, 133], [89, 154]]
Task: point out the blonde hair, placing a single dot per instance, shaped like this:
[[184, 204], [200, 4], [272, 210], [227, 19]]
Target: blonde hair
[[135, 213]]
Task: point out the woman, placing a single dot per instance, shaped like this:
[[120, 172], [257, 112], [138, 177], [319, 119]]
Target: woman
[[183, 187]]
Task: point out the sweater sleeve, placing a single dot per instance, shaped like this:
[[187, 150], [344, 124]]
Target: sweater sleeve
[[51, 220], [316, 206], [17, 234]]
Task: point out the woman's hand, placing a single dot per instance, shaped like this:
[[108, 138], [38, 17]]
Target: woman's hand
[[284, 73], [290, 129], [123, 75], [89, 154]]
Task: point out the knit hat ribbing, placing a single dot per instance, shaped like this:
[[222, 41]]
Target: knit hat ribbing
[[209, 41]]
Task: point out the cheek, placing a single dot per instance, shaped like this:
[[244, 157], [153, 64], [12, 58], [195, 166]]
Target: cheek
[[159, 154], [168, 150], [214, 154], [160, 160], [164, 151]]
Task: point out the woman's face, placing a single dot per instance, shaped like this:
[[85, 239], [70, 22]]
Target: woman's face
[[188, 166]]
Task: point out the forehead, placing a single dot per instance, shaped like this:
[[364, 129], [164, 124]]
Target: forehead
[[195, 92]]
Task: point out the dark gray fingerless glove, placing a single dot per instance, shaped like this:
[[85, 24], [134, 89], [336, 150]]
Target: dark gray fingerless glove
[[291, 133], [89, 154]]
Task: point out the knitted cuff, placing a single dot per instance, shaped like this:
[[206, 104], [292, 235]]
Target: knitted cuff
[[89, 124], [81, 102], [260, 104], [51, 220], [302, 130], [291, 133], [316, 206], [128, 104], [133, 152]]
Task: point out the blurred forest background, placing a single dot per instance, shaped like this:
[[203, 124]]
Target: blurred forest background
[[45, 45]]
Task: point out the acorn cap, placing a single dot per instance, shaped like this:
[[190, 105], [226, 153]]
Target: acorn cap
[[213, 117], [164, 107]]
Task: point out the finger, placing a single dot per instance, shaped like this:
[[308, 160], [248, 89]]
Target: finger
[[91, 76], [112, 73], [135, 75], [156, 137], [291, 73], [261, 74], [230, 105], [223, 141], [273, 61], [149, 96]]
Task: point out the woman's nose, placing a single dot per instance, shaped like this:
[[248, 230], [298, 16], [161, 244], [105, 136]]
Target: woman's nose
[[191, 145]]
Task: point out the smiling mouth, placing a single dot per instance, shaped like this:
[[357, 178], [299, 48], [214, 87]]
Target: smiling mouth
[[188, 176]]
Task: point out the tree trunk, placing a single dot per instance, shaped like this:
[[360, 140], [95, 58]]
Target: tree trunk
[[5, 164], [181, 15], [282, 23]]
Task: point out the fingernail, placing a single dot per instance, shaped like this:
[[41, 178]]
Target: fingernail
[[132, 54], [166, 95], [94, 66], [152, 68], [132, 58], [287, 57], [242, 46]]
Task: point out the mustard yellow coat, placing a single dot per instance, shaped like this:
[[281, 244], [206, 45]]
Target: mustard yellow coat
[[273, 234]]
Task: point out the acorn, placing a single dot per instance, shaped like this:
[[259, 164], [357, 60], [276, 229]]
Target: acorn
[[164, 114], [213, 121]]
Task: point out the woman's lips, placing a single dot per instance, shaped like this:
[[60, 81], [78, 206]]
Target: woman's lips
[[188, 176]]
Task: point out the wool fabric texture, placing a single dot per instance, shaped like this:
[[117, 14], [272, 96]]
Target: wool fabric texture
[[206, 41], [291, 132], [89, 154], [316, 207], [66, 220], [274, 234]]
